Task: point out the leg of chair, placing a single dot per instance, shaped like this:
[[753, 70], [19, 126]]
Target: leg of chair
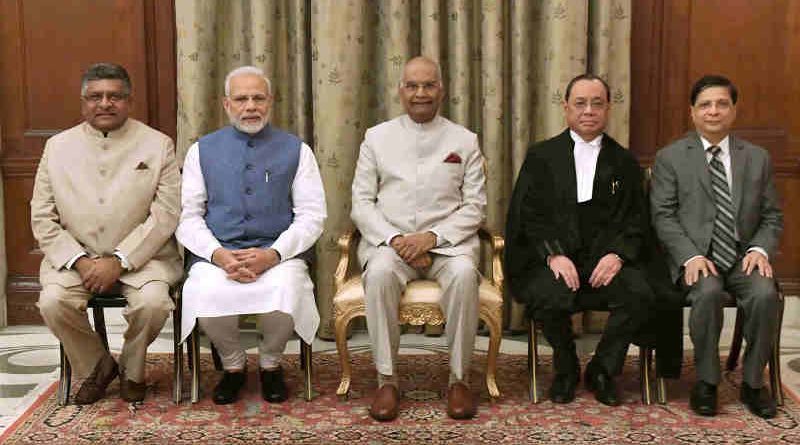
[[645, 366], [215, 357], [305, 364], [736, 344], [662, 390], [177, 359], [194, 347], [344, 354], [494, 322], [100, 325], [533, 362], [775, 381], [65, 376]]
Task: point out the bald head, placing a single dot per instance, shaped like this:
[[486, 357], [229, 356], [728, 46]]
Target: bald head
[[420, 90], [422, 61]]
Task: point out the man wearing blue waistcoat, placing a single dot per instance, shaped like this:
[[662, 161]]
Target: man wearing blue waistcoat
[[253, 207]]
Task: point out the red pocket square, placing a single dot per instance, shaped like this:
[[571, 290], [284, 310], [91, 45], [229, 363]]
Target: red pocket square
[[453, 158]]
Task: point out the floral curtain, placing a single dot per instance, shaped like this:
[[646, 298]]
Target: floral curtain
[[335, 64]]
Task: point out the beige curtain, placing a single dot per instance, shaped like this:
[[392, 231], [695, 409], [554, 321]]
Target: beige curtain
[[335, 66]]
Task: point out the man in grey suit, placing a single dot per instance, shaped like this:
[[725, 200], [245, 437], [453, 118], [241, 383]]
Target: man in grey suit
[[418, 200], [716, 211]]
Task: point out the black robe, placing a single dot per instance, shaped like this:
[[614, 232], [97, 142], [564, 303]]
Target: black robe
[[543, 220]]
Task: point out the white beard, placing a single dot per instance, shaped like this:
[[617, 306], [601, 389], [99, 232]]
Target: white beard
[[248, 128]]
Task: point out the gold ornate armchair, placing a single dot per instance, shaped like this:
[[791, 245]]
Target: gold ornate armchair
[[419, 305]]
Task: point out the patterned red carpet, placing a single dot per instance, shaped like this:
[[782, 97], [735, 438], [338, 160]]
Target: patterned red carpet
[[328, 420]]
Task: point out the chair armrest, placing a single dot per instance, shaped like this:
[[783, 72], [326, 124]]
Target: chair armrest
[[345, 242], [498, 244]]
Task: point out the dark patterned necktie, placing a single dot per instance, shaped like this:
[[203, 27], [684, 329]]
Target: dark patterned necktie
[[723, 238]]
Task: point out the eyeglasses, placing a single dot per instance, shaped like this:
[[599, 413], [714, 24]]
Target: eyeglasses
[[413, 87], [584, 104], [113, 98], [241, 100]]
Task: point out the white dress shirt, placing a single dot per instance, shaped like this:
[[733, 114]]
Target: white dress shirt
[[585, 164]]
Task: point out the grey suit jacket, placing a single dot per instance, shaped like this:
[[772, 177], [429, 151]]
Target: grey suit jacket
[[417, 177], [682, 202]]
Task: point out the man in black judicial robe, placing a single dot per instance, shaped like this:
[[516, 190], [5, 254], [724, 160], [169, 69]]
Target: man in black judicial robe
[[576, 239]]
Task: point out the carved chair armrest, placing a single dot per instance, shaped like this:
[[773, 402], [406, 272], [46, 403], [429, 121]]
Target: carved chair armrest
[[498, 244], [346, 240]]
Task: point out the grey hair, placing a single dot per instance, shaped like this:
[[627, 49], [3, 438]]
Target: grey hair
[[246, 70], [425, 59], [105, 70]]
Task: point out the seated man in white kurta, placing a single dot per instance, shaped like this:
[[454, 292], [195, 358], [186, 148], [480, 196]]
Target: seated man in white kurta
[[253, 207]]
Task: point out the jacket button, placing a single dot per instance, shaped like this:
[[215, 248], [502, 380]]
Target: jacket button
[[251, 144], [101, 201], [248, 166], [248, 217], [248, 191], [101, 229]]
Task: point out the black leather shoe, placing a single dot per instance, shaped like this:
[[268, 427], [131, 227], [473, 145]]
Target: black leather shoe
[[703, 399], [758, 401], [273, 388], [602, 385], [563, 388], [227, 390]]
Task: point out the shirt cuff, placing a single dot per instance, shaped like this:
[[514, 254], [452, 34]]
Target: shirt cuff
[[72, 260], [124, 261], [278, 252], [388, 241], [440, 240], [690, 259], [759, 250]]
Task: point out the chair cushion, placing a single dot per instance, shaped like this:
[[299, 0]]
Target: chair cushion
[[418, 294]]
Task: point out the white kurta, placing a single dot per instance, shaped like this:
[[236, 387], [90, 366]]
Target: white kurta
[[286, 287]]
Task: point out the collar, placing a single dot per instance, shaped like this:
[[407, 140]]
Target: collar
[[113, 135], [594, 143], [431, 124], [724, 145]]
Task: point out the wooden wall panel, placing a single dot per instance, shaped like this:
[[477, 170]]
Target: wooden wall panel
[[45, 45], [757, 45]]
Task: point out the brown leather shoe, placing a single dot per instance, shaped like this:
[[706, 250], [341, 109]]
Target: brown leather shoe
[[94, 387], [459, 402], [386, 403], [131, 391]]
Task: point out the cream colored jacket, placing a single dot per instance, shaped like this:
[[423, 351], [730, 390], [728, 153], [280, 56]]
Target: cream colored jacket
[[414, 177], [99, 194]]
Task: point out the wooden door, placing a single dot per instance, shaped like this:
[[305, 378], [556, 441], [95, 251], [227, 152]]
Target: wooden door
[[45, 45], [757, 46]]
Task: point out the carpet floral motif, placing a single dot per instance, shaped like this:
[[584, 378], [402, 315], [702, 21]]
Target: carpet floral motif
[[423, 420]]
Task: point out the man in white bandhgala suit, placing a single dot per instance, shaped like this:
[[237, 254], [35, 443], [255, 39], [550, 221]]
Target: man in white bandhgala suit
[[419, 199]]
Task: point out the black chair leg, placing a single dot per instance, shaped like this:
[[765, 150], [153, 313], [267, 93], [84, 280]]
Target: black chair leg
[[194, 362], [307, 367], [533, 361], [736, 343], [177, 359], [100, 325], [215, 357], [775, 382], [65, 377], [645, 368]]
